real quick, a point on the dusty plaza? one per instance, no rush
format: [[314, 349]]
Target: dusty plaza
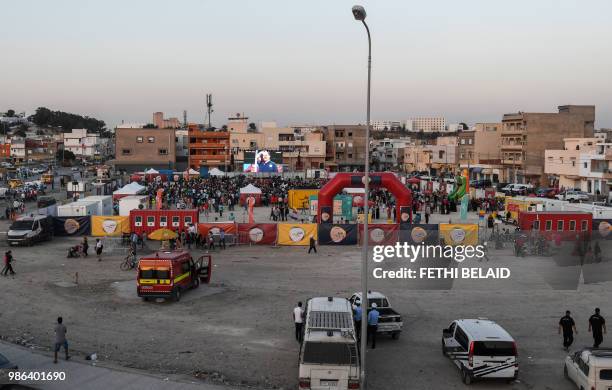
[[238, 330]]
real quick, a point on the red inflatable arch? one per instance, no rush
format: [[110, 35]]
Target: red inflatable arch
[[403, 196]]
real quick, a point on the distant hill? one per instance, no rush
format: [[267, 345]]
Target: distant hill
[[45, 117]]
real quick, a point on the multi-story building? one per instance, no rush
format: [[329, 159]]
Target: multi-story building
[[465, 148], [139, 149], [82, 144], [182, 149], [526, 136], [388, 154], [426, 124], [345, 147], [18, 149], [165, 123], [386, 125], [210, 149], [238, 122], [417, 158], [584, 163]]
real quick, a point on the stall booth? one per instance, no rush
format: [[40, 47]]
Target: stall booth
[[248, 191], [149, 220], [128, 190], [517, 204], [567, 223]]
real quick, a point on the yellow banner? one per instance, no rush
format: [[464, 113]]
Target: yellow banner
[[298, 199], [109, 226], [459, 234], [296, 234]]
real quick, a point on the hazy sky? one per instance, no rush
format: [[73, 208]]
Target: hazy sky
[[305, 62]]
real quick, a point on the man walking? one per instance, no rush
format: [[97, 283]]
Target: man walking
[[568, 326], [60, 338], [312, 246], [373, 316], [98, 248], [8, 266], [222, 238], [357, 317], [298, 319], [597, 324]]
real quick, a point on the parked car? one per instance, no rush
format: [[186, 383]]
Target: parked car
[[500, 186], [5, 366], [517, 189], [29, 230], [590, 369], [482, 183], [546, 192], [481, 349], [573, 196], [390, 321]]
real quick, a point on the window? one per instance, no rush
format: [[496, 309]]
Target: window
[[494, 348], [163, 220], [350, 155], [176, 220], [586, 165], [126, 152], [185, 266], [559, 226], [330, 353], [572, 225], [469, 141], [163, 152], [151, 140], [536, 225], [188, 219], [350, 134], [151, 220], [441, 154], [461, 338], [585, 225], [462, 141], [138, 220], [548, 225], [140, 139], [605, 375]]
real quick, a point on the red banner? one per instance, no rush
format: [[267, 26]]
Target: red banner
[[380, 233], [257, 233], [228, 227]]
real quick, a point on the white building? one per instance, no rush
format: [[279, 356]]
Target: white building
[[18, 148], [426, 124], [182, 142], [386, 125], [82, 143]]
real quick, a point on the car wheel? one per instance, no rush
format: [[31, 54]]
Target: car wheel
[[465, 377], [195, 283], [395, 335], [145, 299], [177, 295], [443, 348]]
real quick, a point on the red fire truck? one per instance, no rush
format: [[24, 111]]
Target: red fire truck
[[166, 274]]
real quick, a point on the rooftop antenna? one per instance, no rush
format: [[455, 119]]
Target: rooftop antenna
[[185, 118], [209, 109]]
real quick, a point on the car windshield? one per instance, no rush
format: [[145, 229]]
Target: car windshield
[[22, 225], [155, 274], [494, 348], [330, 353], [380, 302]]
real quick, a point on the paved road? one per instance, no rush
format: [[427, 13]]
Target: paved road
[[86, 376]]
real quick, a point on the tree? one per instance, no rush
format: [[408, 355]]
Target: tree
[[252, 128], [66, 154], [224, 128], [44, 117], [10, 113], [19, 133]]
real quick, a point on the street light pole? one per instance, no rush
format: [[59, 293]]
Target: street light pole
[[360, 14]]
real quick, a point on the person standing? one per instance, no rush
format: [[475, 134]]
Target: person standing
[[8, 266], [597, 324], [357, 317], [222, 238], [313, 244], [99, 247], [568, 326], [373, 316], [85, 246], [427, 212], [60, 339], [298, 319]]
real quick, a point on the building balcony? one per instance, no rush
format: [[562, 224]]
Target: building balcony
[[512, 146], [512, 162], [507, 130], [208, 145]]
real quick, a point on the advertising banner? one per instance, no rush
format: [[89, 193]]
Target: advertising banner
[[342, 206], [215, 227], [72, 226], [257, 233], [298, 199], [602, 229], [296, 234], [380, 234], [459, 234], [340, 234], [420, 233], [110, 226]]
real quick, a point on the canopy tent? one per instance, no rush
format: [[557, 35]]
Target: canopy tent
[[250, 189], [351, 191], [129, 189], [216, 172], [192, 171], [151, 171]]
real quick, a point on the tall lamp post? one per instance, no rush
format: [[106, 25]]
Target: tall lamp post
[[360, 14]]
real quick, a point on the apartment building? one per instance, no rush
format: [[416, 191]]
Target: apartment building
[[82, 144], [139, 149], [426, 124], [417, 158], [386, 125], [484, 162], [465, 148], [526, 136], [210, 149], [583, 163], [345, 147], [165, 123], [388, 154]]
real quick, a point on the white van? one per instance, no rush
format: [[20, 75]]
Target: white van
[[329, 358], [590, 369], [480, 349]]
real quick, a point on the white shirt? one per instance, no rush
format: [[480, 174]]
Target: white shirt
[[297, 315]]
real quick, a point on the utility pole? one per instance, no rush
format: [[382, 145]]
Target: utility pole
[[209, 109]]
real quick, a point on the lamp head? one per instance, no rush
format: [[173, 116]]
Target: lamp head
[[359, 12]]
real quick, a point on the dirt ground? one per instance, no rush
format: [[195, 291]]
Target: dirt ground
[[239, 328]]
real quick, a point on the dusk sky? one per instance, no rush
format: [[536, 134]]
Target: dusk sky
[[305, 62]]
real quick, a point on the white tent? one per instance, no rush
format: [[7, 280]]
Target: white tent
[[250, 189], [130, 189], [216, 172], [151, 172], [191, 172], [354, 190]]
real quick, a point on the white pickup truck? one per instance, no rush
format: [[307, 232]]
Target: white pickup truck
[[390, 321]]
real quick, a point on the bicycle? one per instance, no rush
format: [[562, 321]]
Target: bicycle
[[129, 262]]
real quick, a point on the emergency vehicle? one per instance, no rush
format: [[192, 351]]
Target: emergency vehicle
[[481, 349], [166, 274]]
